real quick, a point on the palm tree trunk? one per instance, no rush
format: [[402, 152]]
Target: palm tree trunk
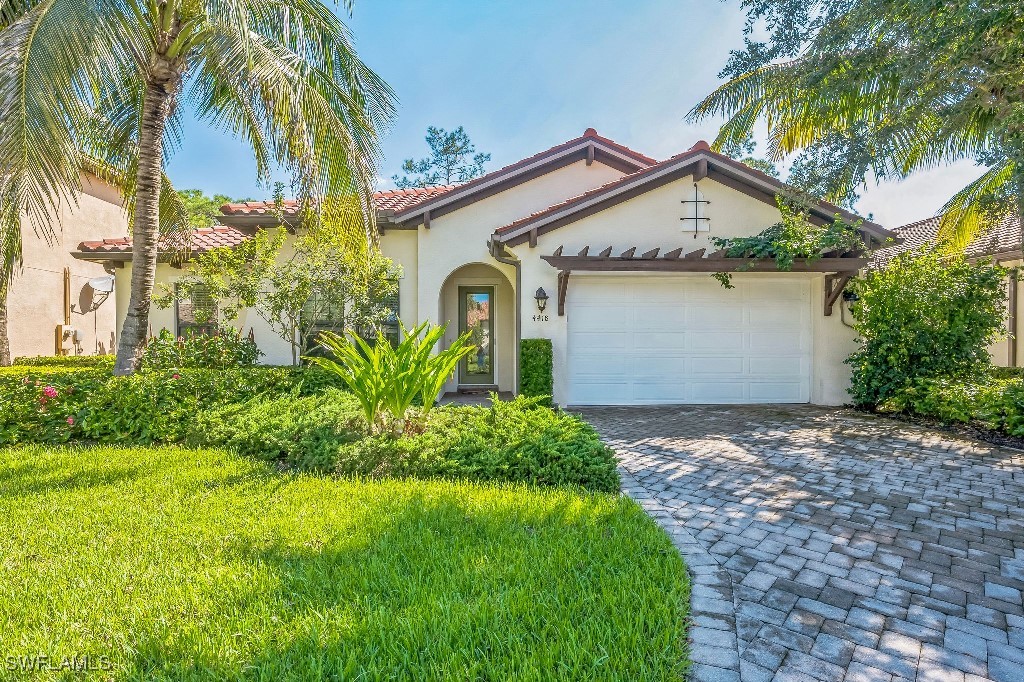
[[5, 342], [162, 85]]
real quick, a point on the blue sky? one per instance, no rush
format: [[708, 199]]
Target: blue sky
[[524, 75]]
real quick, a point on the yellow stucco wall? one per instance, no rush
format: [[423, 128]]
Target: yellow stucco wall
[[36, 298]]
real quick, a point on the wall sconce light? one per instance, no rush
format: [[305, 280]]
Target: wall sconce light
[[542, 299]]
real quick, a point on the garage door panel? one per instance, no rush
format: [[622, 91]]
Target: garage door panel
[[704, 365], [658, 367], [602, 317], [603, 393], [648, 340], [659, 392], [706, 315], [655, 341], [791, 341], [774, 366], [717, 391], [778, 391], [600, 364], [776, 315], [715, 340]]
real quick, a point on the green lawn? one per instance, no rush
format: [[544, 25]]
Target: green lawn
[[197, 564]]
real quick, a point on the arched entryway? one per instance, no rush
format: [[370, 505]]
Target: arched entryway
[[479, 299]]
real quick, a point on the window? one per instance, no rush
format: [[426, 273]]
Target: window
[[390, 328], [197, 315], [318, 316]]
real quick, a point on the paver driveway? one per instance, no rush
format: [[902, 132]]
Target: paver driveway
[[829, 545]]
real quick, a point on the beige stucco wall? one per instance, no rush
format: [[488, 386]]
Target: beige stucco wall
[[36, 298], [653, 220], [1000, 350], [276, 350], [461, 237]]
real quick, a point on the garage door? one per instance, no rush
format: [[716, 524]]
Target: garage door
[[648, 340]]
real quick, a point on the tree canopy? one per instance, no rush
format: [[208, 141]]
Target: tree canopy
[[453, 158], [201, 208], [881, 88]]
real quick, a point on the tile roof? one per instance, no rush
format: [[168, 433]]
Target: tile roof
[[701, 147], [1004, 236], [386, 201], [203, 239], [640, 160]]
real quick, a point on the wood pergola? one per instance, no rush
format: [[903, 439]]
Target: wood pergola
[[839, 268]]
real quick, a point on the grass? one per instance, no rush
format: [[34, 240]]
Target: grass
[[181, 564]]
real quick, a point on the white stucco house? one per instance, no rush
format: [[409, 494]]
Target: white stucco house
[[621, 245]]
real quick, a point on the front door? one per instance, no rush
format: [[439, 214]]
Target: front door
[[476, 316]]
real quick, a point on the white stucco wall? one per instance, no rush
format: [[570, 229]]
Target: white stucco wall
[[653, 220], [36, 298]]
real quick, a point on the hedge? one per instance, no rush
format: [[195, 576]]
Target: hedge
[[536, 376], [65, 361], [996, 404], [56, 405]]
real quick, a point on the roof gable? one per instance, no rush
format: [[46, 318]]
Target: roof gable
[[699, 162], [589, 147]]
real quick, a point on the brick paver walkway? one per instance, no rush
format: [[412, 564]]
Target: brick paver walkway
[[829, 545]]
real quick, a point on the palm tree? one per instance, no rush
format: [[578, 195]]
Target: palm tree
[[916, 83], [100, 84]]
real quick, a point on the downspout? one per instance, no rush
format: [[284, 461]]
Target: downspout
[[501, 254]]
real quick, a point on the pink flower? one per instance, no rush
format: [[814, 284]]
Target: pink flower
[[175, 376], [71, 421], [25, 380], [50, 392]]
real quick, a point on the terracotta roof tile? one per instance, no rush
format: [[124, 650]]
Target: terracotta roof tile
[[388, 200], [1004, 236], [202, 239]]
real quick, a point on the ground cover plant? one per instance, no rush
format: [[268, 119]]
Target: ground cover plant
[[180, 564]]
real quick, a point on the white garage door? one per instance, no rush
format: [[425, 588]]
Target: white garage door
[[646, 340]]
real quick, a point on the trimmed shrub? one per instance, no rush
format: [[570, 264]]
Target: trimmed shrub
[[302, 432], [145, 407], [925, 315], [223, 350], [509, 441], [536, 374], [1006, 372], [65, 361]]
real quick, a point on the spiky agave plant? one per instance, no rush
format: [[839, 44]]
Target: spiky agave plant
[[100, 84]]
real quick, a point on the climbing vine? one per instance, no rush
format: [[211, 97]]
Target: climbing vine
[[793, 237]]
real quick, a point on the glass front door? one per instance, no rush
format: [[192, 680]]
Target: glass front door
[[476, 316]]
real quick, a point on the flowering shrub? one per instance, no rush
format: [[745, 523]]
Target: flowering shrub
[[223, 350], [54, 405]]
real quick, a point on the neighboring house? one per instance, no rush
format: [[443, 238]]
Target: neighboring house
[[622, 246], [1001, 244], [51, 306]]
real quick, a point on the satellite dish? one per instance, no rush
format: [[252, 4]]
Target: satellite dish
[[103, 285]]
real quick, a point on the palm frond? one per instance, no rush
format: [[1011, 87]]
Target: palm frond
[[963, 216]]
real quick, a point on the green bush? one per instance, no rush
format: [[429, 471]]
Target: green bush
[[1006, 372], [55, 405], [223, 350], [509, 441], [924, 316], [536, 376], [303, 432], [65, 361]]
